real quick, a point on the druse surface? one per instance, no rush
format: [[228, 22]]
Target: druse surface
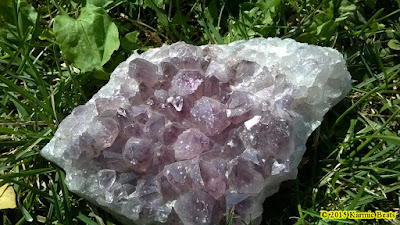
[[182, 134]]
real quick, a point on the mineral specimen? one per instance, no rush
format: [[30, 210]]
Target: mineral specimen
[[182, 134]]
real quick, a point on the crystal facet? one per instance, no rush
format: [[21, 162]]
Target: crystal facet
[[183, 134]]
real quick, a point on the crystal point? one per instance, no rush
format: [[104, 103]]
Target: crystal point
[[195, 208], [187, 82], [138, 154], [190, 144], [210, 115], [143, 71]]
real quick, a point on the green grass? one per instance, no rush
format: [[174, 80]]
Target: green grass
[[352, 160]]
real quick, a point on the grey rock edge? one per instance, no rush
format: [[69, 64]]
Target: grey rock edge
[[181, 134]]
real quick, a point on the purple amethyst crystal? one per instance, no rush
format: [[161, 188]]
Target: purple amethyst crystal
[[182, 134], [189, 144]]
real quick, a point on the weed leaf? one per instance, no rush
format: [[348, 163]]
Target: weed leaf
[[89, 40], [394, 44]]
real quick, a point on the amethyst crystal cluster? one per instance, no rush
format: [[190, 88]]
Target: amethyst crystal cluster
[[184, 134]]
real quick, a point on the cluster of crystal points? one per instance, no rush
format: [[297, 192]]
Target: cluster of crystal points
[[182, 134]]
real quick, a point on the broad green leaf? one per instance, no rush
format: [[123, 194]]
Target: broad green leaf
[[328, 8], [342, 17], [320, 19], [7, 197], [88, 41], [394, 44], [307, 37], [346, 7], [131, 41], [29, 12], [326, 30]]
